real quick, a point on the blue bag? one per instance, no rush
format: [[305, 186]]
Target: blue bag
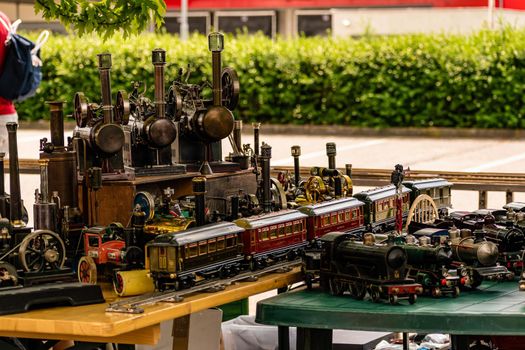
[[22, 72]]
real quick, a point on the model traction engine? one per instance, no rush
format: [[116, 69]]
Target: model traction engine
[[148, 130], [202, 123], [98, 137]]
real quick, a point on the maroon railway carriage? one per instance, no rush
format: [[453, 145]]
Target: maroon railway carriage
[[343, 214], [273, 237]]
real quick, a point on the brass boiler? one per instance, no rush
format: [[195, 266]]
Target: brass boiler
[[215, 123], [470, 250], [102, 135], [62, 166]]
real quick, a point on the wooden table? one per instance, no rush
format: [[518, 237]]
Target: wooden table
[[92, 324], [495, 309]]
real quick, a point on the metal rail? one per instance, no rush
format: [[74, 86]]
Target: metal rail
[[134, 305], [481, 182]]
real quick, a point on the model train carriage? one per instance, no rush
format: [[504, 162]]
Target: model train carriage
[[179, 260], [438, 189], [379, 270], [273, 237], [380, 207], [344, 214]]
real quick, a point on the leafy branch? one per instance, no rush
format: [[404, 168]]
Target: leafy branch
[[104, 17]]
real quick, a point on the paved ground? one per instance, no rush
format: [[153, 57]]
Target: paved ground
[[383, 152]]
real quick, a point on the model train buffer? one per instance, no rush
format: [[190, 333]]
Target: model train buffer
[[135, 305]]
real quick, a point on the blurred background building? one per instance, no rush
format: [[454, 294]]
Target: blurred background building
[[321, 17]]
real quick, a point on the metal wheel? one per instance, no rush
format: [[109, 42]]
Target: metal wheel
[[174, 103], [278, 193], [374, 294], [230, 88], [393, 299], [146, 201], [412, 298], [42, 250], [122, 108], [81, 109], [87, 270], [456, 292], [8, 275], [314, 188]]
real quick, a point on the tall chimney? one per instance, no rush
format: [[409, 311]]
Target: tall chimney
[[3, 196], [159, 61], [104, 67], [331, 153], [57, 123], [216, 45], [16, 204], [266, 155], [296, 153]]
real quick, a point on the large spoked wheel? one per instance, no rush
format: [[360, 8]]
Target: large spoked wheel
[[42, 250], [87, 270]]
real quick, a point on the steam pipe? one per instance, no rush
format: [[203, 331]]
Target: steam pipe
[[338, 187], [348, 168], [216, 45], [296, 153], [159, 61], [104, 67], [44, 182], [3, 196], [331, 153], [2, 175], [14, 177], [57, 123], [266, 155], [256, 127], [237, 129], [199, 189]]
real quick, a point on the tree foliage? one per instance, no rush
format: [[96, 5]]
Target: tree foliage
[[414, 80], [104, 17]]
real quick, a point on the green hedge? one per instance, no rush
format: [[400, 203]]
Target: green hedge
[[413, 80]]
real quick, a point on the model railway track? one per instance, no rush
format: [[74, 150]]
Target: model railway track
[[511, 182], [135, 305]]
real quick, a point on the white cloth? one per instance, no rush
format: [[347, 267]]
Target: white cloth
[[4, 119]]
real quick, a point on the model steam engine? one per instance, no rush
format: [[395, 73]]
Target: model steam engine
[[363, 268]]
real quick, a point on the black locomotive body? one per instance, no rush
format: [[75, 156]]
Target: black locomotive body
[[429, 266], [360, 268]]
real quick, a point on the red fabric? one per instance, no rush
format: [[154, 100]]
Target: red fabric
[[6, 106]]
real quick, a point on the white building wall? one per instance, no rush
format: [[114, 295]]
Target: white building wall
[[357, 22]]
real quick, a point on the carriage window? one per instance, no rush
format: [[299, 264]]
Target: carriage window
[[203, 248], [334, 218], [326, 220], [220, 243], [280, 231], [288, 230], [252, 236], [230, 241], [341, 217], [347, 215], [445, 192], [298, 227], [212, 245], [273, 233], [192, 250], [264, 235]]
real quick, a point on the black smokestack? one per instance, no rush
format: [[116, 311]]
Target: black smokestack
[[266, 155], [14, 177], [57, 123], [199, 189]]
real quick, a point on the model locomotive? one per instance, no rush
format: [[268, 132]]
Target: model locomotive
[[363, 268]]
